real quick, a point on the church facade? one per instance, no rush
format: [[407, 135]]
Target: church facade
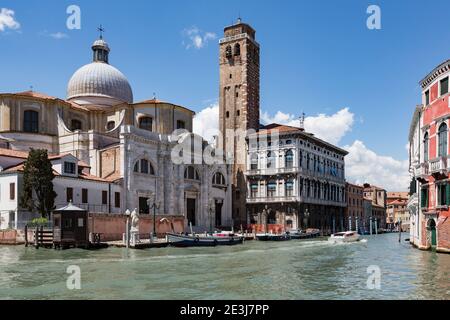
[[124, 142]]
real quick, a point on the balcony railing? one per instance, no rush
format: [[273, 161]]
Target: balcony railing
[[438, 165], [272, 171], [272, 199]]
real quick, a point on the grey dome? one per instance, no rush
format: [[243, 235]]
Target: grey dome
[[99, 79]]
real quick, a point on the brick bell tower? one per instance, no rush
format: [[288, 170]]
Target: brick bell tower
[[238, 104]]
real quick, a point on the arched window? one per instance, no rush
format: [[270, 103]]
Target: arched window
[[146, 123], [31, 121], [191, 173], [442, 140], [237, 49], [144, 166], [253, 189], [254, 161], [270, 159], [228, 52], [289, 159], [110, 125], [75, 125], [218, 179], [425, 147]]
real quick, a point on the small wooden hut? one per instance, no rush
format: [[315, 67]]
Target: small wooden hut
[[70, 227]]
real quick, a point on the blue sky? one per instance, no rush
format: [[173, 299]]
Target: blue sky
[[316, 56]]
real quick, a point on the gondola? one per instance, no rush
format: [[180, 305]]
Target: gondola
[[180, 240]]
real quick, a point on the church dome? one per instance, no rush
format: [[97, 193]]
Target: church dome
[[98, 82]]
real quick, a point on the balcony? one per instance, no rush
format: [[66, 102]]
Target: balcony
[[438, 165], [422, 171], [272, 171], [275, 199]]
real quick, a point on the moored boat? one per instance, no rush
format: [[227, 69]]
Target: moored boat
[[300, 234], [272, 237], [347, 236], [180, 240]]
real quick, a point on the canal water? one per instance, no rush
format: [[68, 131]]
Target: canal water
[[297, 269]]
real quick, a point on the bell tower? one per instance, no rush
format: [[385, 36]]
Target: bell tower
[[238, 104]]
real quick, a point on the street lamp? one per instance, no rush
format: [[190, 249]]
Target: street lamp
[[153, 204]]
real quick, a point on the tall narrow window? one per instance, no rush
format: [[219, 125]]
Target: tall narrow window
[[146, 123], [271, 189], [144, 166], [228, 52], [253, 190], [237, 49], [104, 197], [289, 159], [425, 147], [31, 121], [253, 161], [289, 188], [84, 196], [117, 199], [424, 197], [12, 191], [271, 159], [69, 194], [442, 136], [444, 86], [427, 97]]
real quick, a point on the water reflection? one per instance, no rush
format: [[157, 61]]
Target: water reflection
[[312, 269]]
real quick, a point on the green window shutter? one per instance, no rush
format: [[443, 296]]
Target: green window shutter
[[447, 191]]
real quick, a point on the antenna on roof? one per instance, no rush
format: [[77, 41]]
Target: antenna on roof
[[302, 121], [31, 88], [154, 96], [239, 20]]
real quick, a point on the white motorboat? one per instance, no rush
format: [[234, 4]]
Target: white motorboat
[[347, 236]]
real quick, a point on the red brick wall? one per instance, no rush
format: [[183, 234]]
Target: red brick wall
[[8, 237]]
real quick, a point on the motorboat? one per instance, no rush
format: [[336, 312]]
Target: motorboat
[[347, 236], [200, 240], [300, 234]]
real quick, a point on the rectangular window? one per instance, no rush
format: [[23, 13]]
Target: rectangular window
[[84, 196], [69, 167], [104, 197], [427, 97], [80, 222], [117, 199], [69, 194], [444, 86], [424, 198], [12, 191], [253, 190], [443, 194]]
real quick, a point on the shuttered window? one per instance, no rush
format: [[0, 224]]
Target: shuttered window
[[444, 86]]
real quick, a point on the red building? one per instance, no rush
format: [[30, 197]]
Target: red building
[[431, 158]]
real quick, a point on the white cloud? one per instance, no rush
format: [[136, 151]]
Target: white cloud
[[364, 165], [331, 128], [196, 38], [59, 35], [206, 122], [7, 20]]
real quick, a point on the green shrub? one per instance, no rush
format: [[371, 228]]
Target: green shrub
[[37, 222]]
